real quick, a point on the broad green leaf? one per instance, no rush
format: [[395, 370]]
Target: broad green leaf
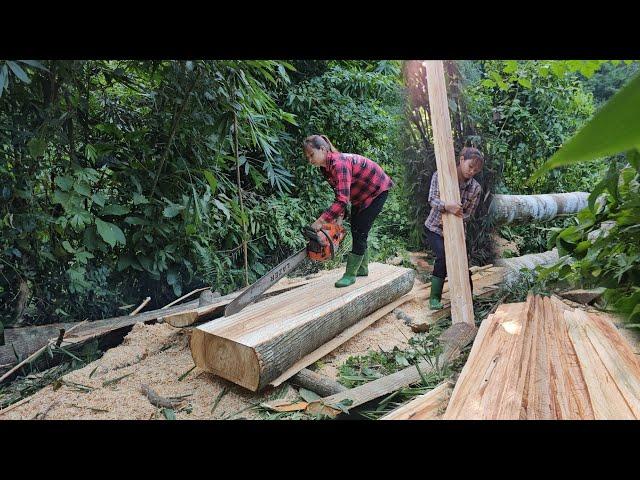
[[82, 188], [136, 221], [65, 183], [613, 129], [37, 147], [99, 199], [139, 199], [80, 219], [18, 71], [172, 210], [115, 209], [222, 208], [525, 82], [67, 246], [169, 414], [110, 233], [83, 257]]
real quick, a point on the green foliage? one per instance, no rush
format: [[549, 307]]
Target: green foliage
[[119, 177], [610, 256], [615, 128], [520, 126]]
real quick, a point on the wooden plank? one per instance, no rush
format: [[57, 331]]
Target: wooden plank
[[425, 407], [349, 333], [478, 389], [255, 346], [453, 228], [606, 400], [578, 401], [618, 359], [454, 339]]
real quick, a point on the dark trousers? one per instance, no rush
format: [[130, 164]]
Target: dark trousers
[[436, 243], [361, 221]]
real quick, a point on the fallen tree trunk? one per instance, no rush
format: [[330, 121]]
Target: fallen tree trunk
[[530, 261], [535, 208], [255, 346]]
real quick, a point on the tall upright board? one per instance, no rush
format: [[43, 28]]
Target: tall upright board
[[453, 228]]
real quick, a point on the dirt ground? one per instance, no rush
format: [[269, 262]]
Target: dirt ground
[[158, 356]]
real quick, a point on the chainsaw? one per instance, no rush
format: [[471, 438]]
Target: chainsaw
[[322, 246]]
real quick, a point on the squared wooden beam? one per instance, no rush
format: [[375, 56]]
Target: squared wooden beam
[[453, 228]]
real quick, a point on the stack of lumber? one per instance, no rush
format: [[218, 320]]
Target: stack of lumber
[[542, 359], [261, 344]]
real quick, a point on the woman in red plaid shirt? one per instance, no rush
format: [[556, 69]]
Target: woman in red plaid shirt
[[356, 180]]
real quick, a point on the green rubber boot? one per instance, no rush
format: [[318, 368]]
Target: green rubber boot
[[363, 271], [436, 293], [349, 277]]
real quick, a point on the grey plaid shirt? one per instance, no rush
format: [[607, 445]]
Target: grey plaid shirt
[[469, 197]]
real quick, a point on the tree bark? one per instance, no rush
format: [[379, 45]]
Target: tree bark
[[255, 346], [320, 384], [535, 208]]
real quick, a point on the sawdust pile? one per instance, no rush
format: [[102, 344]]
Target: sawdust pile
[[158, 356]]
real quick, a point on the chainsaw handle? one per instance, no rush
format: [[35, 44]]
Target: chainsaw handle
[[333, 253]]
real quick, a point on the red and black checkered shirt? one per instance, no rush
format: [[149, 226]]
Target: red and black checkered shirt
[[469, 198], [354, 178]]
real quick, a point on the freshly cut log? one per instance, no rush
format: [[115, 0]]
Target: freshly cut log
[[513, 265], [417, 292], [425, 407], [255, 346]]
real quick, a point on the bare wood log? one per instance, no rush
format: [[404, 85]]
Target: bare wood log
[[320, 384], [454, 339], [255, 346], [349, 333], [27, 340], [535, 208], [425, 407], [453, 228]]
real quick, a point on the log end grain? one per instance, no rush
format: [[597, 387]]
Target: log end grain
[[227, 359]]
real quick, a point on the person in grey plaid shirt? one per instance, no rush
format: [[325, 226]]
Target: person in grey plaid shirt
[[468, 165]]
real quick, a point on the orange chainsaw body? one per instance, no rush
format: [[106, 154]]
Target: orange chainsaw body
[[324, 244]]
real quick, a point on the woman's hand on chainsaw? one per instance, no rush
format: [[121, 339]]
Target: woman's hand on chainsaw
[[317, 225]]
